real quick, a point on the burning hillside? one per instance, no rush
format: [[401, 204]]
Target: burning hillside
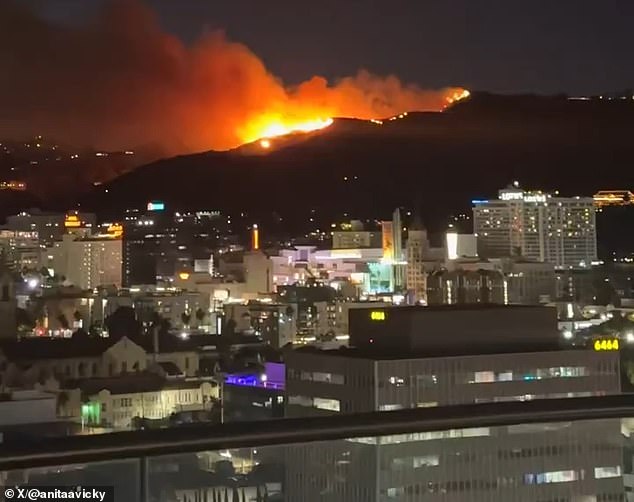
[[121, 81]]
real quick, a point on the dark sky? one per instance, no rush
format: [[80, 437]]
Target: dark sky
[[575, 46]]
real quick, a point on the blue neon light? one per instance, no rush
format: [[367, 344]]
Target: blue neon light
[[479, 201], [252, 381]]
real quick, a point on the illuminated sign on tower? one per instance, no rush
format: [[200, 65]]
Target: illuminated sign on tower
[[72, 221], [156, 205]]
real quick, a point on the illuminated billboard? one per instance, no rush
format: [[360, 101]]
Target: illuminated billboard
[[156, 205]]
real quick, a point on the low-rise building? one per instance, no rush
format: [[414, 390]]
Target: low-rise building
[[32, 359], [254, 395], [411, 357], [116, 402]]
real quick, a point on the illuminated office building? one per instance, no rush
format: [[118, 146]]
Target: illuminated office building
[[416, 251], [409, 357], [537, 226], [50, 227], [158, 244]]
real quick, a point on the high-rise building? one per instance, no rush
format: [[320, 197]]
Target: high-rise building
[[158, 244], [49, 226], [416, 249], [87, 262], [538, 226], [21, 249]]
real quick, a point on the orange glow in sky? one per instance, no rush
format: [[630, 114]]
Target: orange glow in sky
[[272, 124]]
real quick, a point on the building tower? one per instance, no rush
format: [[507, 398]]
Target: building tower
[[398, 267], [416, 249], [538, 226], [8, 304]]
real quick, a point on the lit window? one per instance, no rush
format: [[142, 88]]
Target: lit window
[[327, 404], [607, 472], [390, 407], [551, 477], [484, 377], [425, 461], [398, 381]]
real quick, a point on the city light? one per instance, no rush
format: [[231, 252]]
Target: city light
[[606, 345], [156, 206], [255, 238], [452, 245], [377, 315], [72, 221]]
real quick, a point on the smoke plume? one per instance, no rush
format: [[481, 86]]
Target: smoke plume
[[121, 81]]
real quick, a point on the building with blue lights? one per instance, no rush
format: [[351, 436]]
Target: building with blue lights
[[254, 395]]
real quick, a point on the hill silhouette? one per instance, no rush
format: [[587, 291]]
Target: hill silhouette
[[437, 161]]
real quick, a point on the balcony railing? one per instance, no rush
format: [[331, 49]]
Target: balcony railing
[[533, 450]]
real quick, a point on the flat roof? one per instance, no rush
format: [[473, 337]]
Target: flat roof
[[390, 354], [462, 307]]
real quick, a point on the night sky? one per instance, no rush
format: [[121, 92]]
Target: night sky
[[545, 46]]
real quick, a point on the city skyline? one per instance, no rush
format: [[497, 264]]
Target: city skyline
[[321, 252]]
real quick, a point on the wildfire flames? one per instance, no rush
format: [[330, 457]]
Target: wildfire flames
[[121, 82], [266, 127]]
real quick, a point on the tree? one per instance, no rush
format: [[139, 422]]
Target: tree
[[200, 315], [186, 317], [63, 321], [123, 322], [24, 319], [161, 324]]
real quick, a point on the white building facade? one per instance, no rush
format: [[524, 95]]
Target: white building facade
[[87, 262], [538, 226]]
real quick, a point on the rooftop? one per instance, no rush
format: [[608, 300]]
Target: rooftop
[[389, 354], [55, 348], [131, 383]]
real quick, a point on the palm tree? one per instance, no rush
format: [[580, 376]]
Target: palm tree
[[200, 315], [186, 317]]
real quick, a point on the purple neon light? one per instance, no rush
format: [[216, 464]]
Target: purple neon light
[[252, 381]]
